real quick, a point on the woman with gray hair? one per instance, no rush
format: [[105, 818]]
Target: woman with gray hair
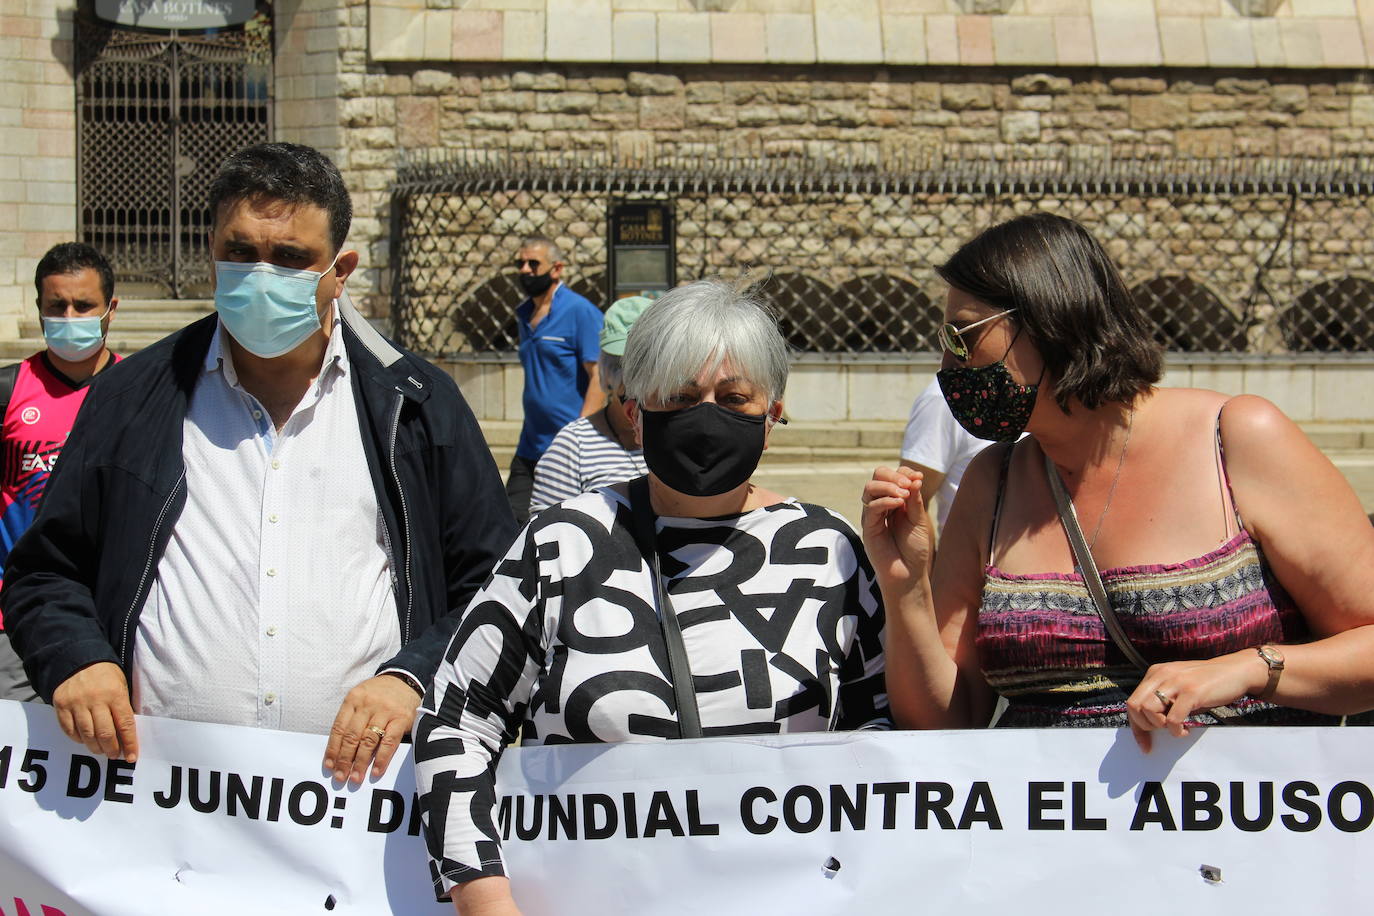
[[686, 603]]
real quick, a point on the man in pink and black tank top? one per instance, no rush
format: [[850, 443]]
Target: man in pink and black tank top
[[41, 395]]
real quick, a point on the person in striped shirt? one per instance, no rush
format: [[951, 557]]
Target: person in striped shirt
[[601, 449]]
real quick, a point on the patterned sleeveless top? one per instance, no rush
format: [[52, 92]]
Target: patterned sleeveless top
[[1043, 646]]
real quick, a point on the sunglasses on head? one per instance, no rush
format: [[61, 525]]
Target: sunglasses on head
[[951, 337]]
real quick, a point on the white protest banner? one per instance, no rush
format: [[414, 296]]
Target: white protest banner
[[227, 820]]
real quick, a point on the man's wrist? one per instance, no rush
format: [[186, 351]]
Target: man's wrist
[[409, 679]]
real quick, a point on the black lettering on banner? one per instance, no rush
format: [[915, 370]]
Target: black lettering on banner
[[1079, 809], [211, 801], [239, 796], [274, 798], [537, 818], [83, 778], [33, 769], [631, 822], [934, 798], [591, 804], [1152, 807], [755, 825], [295, 803], [6, 755], [695, 826], [980, 808], [1266, 807], [1335, 806], [661, 816], [559, 815], [416, 816], [854, 809], [393, 803], [1200, 808], [1038, 804], [1303, 804], [118, 773], [889, 791], [503, 816], [815, 809], [171, 796]]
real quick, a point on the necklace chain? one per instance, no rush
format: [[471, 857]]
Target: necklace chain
[[1116, 478]]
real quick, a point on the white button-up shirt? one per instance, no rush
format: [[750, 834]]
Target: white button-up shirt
[[275, 594]]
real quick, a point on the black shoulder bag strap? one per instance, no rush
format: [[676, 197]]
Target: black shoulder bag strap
[[1088, 567], [8, 376], [688, 716]]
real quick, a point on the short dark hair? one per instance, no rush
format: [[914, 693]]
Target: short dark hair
[[544, 242], [287, 172], [71, 257], [1070, 298]]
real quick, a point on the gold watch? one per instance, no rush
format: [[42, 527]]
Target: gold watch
[[1274, 659]]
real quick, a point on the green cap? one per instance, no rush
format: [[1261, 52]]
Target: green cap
[[619, 318]]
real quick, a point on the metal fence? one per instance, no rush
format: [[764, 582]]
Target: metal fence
[[157, 114], [1228, 256]]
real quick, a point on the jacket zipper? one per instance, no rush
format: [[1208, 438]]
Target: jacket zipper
[[405, 518], [147, 568]]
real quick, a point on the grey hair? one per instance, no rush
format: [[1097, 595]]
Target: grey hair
[[703, 325], [548, 244], [612, 370]]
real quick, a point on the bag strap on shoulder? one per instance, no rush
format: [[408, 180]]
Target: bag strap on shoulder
[[688, 715], [1088, 567]]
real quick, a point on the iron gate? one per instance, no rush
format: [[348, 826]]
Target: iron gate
[[158, 113], [1261, 257]]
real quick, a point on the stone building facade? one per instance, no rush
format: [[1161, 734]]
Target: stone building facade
[[636, 80]]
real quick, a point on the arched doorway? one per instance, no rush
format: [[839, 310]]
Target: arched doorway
[[157, 113]]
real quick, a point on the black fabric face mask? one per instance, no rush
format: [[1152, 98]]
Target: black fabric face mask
[[704, 450], [536, 284]]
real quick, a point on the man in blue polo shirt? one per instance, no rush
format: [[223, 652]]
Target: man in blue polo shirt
[[559, 346]]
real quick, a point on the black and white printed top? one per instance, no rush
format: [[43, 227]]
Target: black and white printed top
[[779, 611]]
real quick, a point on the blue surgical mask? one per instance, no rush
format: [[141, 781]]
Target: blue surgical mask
[[269, 310], [74, 339]]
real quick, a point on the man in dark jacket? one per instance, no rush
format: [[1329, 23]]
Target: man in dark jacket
[[271, 518]]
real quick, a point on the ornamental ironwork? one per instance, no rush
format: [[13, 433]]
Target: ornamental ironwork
[[1238, 256], [158, 113]]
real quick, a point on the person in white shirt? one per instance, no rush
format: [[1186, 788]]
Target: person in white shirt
[[272, 518]]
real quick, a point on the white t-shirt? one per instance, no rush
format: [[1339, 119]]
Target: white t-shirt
[[935, 439]]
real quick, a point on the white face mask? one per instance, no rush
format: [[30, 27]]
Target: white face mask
[[269, 310]]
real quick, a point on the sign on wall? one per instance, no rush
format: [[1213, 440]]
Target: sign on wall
[[176, 14], [641, 250]]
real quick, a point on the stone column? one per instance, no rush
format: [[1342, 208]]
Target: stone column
[[38, 157]]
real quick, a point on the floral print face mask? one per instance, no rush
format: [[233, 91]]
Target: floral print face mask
[[986, 401]]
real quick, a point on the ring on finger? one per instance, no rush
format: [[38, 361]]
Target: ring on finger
[[1163, 699], [379, 732]]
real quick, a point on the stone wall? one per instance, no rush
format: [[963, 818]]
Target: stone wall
[[38, 156], [873, 112]]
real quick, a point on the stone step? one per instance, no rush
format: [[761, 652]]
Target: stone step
[[141, 306]]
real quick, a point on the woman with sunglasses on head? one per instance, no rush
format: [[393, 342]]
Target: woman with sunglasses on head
[[767, 606], [1209, 519]]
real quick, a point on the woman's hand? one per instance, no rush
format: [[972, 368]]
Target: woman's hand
[[1170, 693], [897, 533]]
